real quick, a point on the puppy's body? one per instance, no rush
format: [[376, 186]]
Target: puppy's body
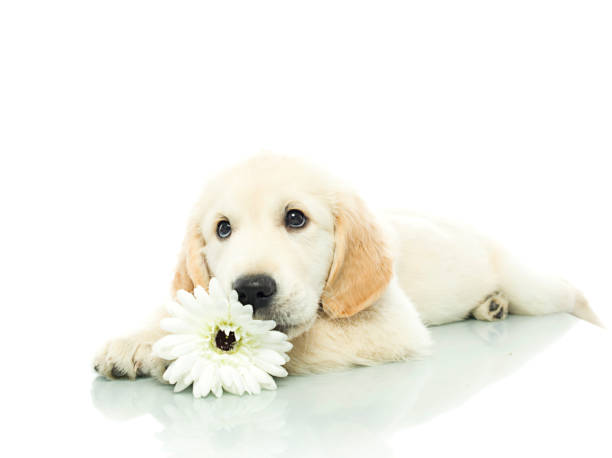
[[444, 268], [448, 269], [351, 287]]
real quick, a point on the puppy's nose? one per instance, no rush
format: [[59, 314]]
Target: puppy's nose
[[256, 290]]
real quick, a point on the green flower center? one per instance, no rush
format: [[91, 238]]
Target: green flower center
[[225, 341]]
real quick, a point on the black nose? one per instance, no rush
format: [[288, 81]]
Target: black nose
[[256, 290]]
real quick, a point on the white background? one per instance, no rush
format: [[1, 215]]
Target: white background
[[112, 115]]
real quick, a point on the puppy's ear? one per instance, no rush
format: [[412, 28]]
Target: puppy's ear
[[192, 269], [361, 267]]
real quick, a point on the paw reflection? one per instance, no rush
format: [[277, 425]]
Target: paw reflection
[[228, 426]]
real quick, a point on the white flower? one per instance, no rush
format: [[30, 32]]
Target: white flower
[[215, 344]]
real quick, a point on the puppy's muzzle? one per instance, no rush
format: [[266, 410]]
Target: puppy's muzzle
[[257, 290]]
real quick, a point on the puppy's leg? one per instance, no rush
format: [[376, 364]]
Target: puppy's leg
[[493, 308], [132, 356], [389, 330], [532, 293]]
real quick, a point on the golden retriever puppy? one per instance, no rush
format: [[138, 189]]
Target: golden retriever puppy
[[347, 286]]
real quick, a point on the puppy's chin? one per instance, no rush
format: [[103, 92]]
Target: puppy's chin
[[293, 315], [294, 330]]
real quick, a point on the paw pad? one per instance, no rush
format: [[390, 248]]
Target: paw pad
[[493, 308], [117, 372]]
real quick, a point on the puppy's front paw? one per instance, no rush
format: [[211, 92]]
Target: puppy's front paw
[[493, 308], [129, 358]]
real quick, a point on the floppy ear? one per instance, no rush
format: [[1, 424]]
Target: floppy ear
[[361, 267], [192, 269]]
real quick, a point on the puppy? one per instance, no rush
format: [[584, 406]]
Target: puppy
[[347, 286]]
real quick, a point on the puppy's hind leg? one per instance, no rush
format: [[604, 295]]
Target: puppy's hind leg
[[493, 308], [530, 292]]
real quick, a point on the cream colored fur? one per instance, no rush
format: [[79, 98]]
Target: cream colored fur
[[354, 288]]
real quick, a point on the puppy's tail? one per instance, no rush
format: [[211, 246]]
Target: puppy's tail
[[583, 310]]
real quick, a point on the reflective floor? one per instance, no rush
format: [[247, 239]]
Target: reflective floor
[[528, 382]]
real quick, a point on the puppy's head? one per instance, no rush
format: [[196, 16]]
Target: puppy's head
[[289, 240]]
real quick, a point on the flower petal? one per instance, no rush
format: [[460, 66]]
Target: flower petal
[[269, 356], [273, 369], [176, 309], [276, 371], [274, 336], [242, 312], [231, 380], [280, 347], [180, 386], [201, 295], [259, 326], [216, 293], [182, 349], [179, 368], [251, 384], [164, 347], [224, 373], [196, 370], [189, 302], [177, 325], [216, 387], [262, 378], [203, 382]]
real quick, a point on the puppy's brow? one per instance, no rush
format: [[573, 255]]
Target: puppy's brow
[[295, 205], [220, 217]]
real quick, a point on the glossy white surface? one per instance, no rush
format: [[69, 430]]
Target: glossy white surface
[[524, 386]]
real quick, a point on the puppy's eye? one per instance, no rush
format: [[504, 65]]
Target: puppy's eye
[[224, 229], [295, 219]]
